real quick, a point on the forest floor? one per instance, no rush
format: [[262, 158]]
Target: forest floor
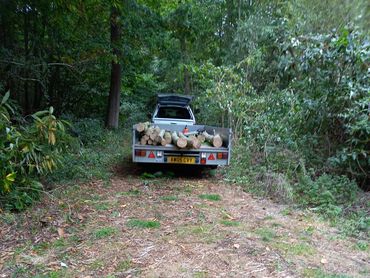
[[134, 225]]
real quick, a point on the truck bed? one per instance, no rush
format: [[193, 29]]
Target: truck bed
[[172, 151]]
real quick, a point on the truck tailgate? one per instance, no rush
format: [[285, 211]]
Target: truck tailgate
[[205, 155]]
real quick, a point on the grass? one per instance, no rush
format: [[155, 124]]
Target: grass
[[319, 273], [124, 265], [41, 248], [105, 232], [7, 217], [230, 223], [200, 274], [203, 232], [57, 274], [266, 234], [102, 206], [362, 245], [295, 249], [210, 197], [131, 192], [142, 224], [169, 198], [59, 243], [97, 264]]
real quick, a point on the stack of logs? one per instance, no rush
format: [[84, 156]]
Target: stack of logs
[[153, 135]]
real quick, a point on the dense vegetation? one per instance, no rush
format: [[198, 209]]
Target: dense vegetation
[[291, 78]]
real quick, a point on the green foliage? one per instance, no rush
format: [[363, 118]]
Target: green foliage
[[291, 78], [327, 194], [266, 234], [100, 150], [28, 152], [171, 198], [230, 223], [105, 232], [318, 273], [210, 197], [362, 245], [143, 224]]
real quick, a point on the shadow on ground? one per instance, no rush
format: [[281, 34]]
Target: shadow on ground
[[129, 168]]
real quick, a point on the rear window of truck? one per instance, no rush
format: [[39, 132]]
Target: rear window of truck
[[173, 113]]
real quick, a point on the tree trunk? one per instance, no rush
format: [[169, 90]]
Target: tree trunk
[[115, 82], [184, 55], [27, 104]]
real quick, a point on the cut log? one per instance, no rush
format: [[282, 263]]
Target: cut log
[[157, 129], [150, 142], [214, 140], [168, 137], [192, 141], [179, 141], [143, 141], [196, 144], [154, 133], [149, 130], [201, 138], [142, 127], [160, 138]]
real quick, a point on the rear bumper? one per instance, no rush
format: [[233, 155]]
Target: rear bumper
[[165, 155]]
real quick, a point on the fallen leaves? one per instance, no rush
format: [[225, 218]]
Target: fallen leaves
[[236, 246], [61, 232]]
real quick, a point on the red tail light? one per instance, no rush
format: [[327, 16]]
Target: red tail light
[[140, 153], [222, 155], [203, 161]]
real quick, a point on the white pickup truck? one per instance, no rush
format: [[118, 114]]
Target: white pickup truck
[[173, 113]]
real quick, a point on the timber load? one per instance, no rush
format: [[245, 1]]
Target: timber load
[[150, 134]]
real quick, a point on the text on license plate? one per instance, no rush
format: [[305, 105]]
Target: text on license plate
[[181, 159]]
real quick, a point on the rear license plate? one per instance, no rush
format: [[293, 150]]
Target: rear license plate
[[181, 159]]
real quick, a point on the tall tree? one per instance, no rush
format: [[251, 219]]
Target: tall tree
[[115, 81], [182, 27]]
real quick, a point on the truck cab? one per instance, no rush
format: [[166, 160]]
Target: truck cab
[[174, 110]]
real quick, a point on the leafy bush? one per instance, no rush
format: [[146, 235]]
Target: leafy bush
[[327, 194], [89, 130], [100, 149], [27, 152]]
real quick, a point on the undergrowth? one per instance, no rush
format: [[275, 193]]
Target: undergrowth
[[284, 178], [100, 150]]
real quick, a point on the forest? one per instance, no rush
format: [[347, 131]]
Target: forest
[[290, 77]]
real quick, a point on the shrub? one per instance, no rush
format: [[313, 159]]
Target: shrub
[[101, 148], [327, 194], [27, 152]]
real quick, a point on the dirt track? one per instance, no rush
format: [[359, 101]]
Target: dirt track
[[88, 231]]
